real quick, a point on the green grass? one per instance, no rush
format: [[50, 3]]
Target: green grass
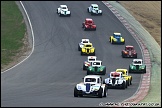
[[12, 31]]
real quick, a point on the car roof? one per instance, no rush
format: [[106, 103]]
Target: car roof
[[63, 5], [91, 57], [92, 76], [114, 72], [97, 61], [137, 59], [88, 43], [94, 5], [85, 39], [129, 46], [121, 69], [117, 33], [89, 19]]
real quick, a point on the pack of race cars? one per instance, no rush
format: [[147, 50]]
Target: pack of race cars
[[93, 84]]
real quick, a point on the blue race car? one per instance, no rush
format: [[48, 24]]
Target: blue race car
[[117, 38]]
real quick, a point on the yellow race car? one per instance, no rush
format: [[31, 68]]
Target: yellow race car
[[116, 38], [125, 75], [88, 49]]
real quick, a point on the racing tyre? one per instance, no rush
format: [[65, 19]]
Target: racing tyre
[[104, 71], [84, 28], [126, 85], [130, 70], [104, 82], [79, 48], [84, 68], [124, 42], [105, 91], [100, 92], [123, 56], [128, 82], [112, 42], [95, 29], [88, 72], [57, 11], [75, 92], [81, 53], [144, 71], [135, 56], [131, 81], [109, 39], [88, 10], [123, 85], [93, 53]]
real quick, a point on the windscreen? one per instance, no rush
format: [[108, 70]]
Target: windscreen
[[90, 80]]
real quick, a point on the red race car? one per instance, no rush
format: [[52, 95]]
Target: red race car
[[88, 24], [129, 52]]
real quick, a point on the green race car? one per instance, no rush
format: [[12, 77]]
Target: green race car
[[96, 68], [137, 66]]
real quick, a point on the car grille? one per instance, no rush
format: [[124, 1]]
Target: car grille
[[113, 80], [96, 68], [88, 87], [88, 50], [137, 67]]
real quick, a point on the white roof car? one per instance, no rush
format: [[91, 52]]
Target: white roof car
[[91, 85], [63, 10], [137, 61], [81, 44], [117, 33], [94, 9], [88, 62], [97, 63], [64, 6]]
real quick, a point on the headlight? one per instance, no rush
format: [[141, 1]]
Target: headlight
[[115, 39], [142, 67], [79, 87]]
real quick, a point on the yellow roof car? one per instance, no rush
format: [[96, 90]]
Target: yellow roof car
[[88, 49], [125, 75]]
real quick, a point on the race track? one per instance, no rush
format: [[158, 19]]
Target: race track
[[48, 77]]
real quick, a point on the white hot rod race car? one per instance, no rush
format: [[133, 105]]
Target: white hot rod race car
[[81, 44], [63, 10], [115, 80], [91, 86], [88, 62], [94, 9]]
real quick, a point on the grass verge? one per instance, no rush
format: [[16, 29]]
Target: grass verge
[[12, 31]]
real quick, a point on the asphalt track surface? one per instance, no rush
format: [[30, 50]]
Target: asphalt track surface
[[48, 77]]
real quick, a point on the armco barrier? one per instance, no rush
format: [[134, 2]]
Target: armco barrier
[[145, 83]]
